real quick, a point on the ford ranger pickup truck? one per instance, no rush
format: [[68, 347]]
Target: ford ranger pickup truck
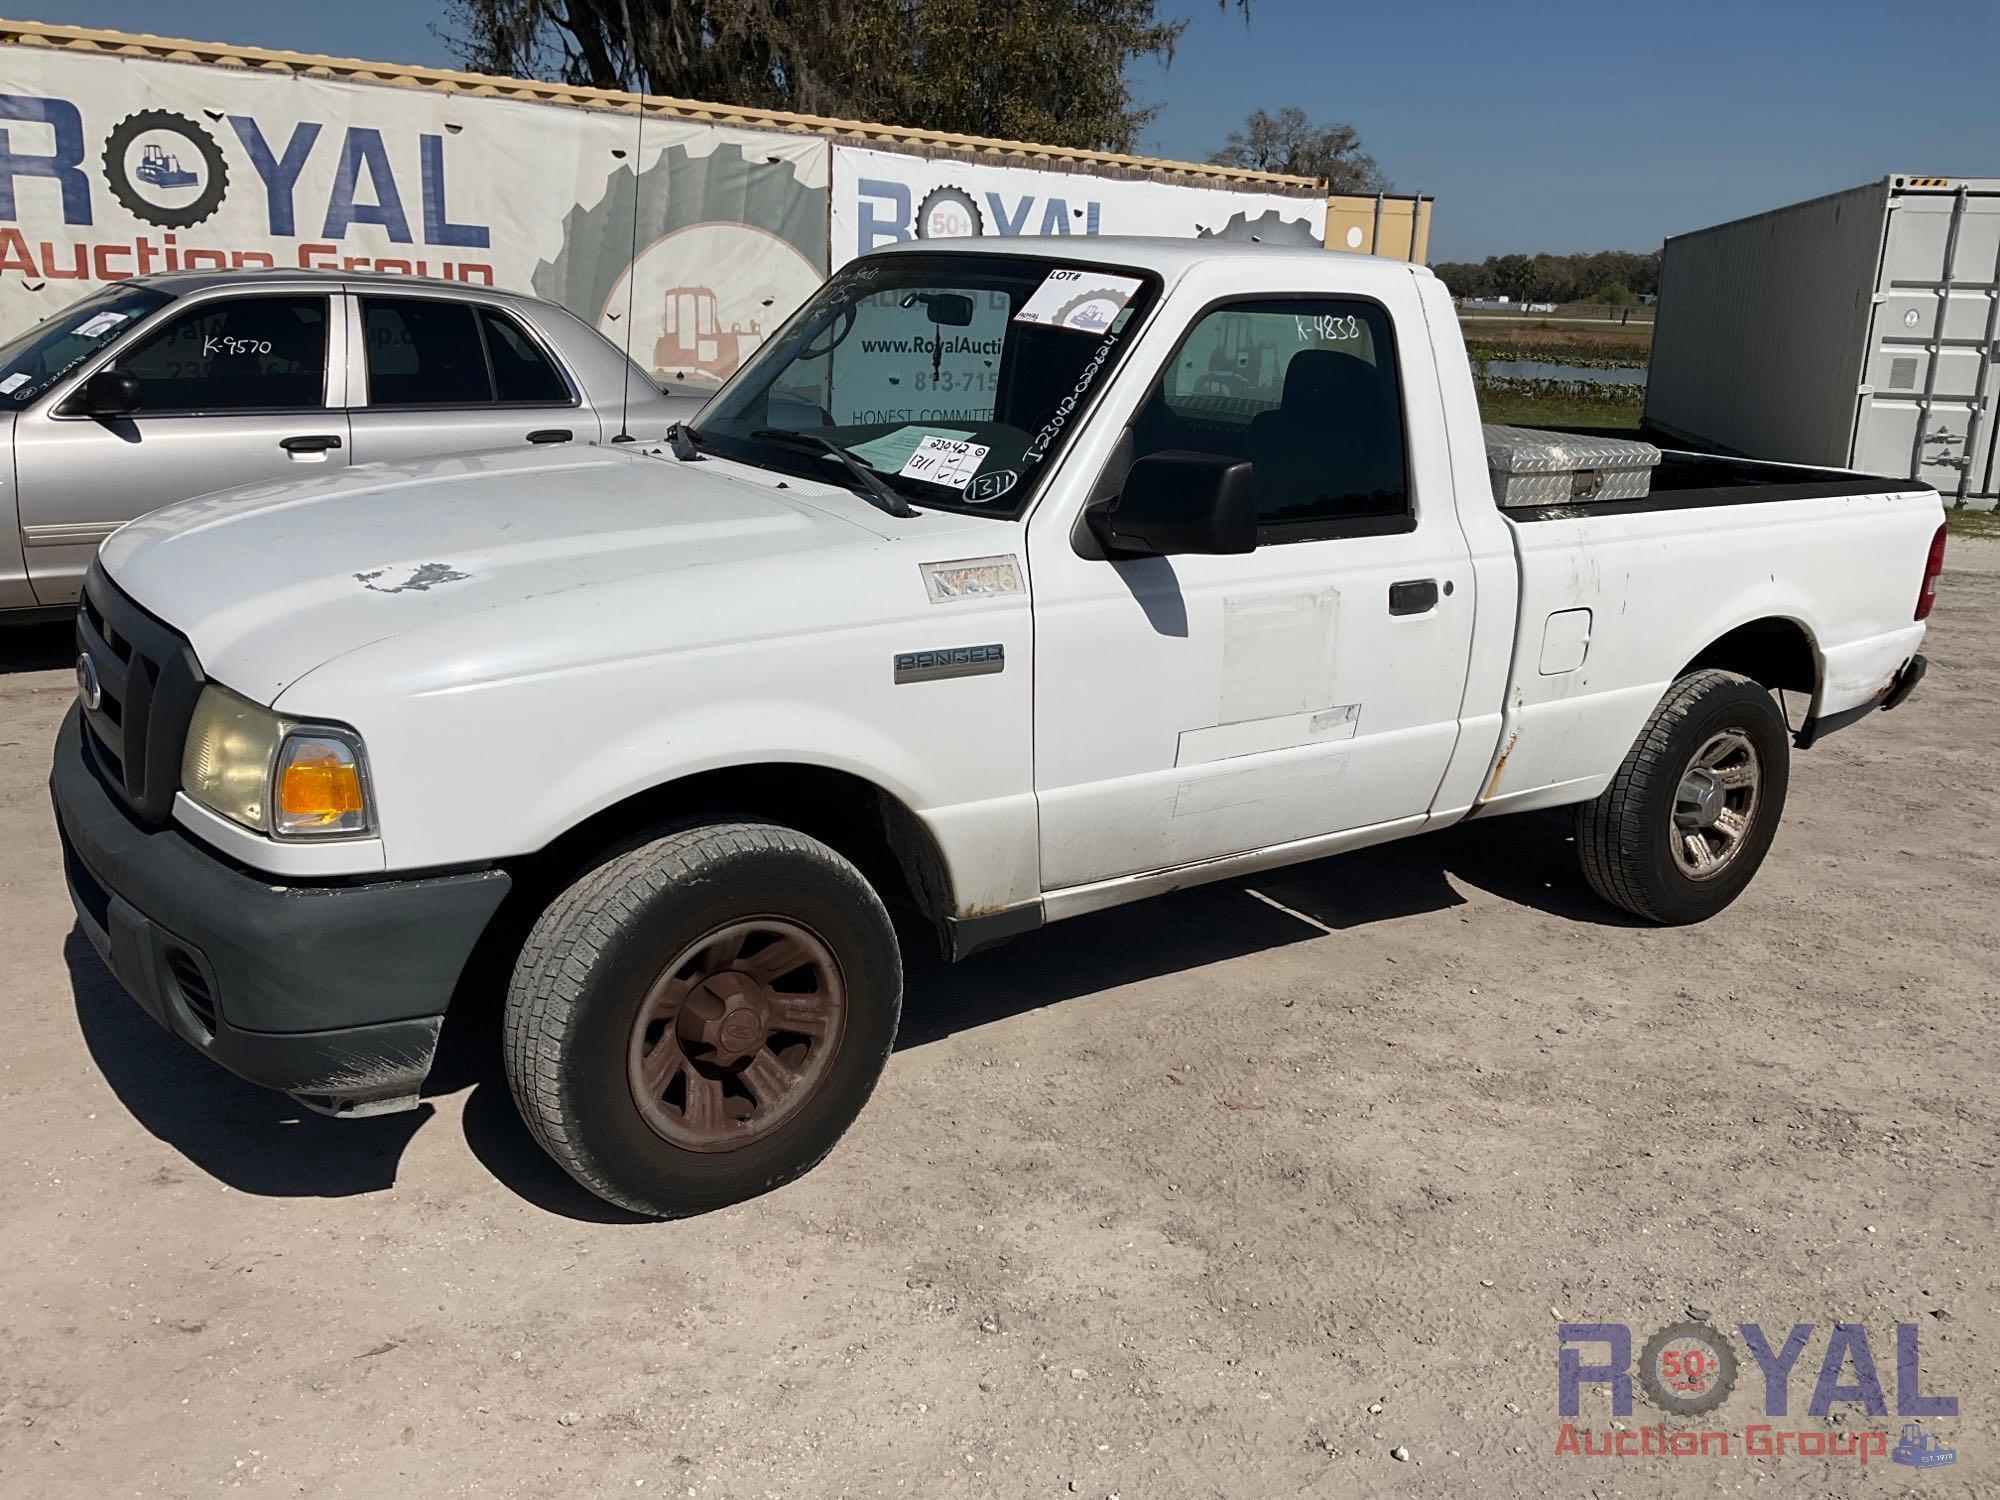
[[1009, 581]]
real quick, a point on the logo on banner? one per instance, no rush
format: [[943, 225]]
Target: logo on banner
[[729, 245], [173, 173], [949, 213], [165, 169]]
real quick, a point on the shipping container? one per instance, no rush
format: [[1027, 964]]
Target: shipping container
[[1394, 225], [1859, 330]]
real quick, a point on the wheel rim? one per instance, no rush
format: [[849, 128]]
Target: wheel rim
[[736, 1033], [1715, 804]]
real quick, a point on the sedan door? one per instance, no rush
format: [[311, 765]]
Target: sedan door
[[442, 375], [233, 389]]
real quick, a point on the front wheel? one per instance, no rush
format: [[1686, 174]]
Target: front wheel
[[697, 1021], [1692, 811]]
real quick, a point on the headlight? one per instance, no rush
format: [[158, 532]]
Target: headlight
[[271, 774]]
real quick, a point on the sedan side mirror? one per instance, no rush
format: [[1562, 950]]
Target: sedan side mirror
[[1181, 502], [109, 393]]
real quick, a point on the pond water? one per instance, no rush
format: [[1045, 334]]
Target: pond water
[[1535, 369]]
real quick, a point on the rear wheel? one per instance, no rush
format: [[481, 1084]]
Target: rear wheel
[[1692, 811], [697, 1020]]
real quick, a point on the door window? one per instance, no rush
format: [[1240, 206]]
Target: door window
[[436, 353], [1306, 390], [234, 354], [423, 353], [521, 371]]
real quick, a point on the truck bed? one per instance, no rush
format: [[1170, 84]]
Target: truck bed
[[1686, 481]]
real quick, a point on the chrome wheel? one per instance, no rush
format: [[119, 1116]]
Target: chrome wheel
[[736, 1033], [1715, 804]]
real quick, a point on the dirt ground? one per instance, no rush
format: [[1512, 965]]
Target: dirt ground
[[1167, 1201]]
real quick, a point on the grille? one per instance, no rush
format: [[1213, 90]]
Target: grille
[[148, 680], [193, 986]]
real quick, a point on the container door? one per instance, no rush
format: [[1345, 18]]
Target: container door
[[1931, 377]]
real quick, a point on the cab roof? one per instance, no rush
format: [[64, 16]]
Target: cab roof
[[1170, 256]]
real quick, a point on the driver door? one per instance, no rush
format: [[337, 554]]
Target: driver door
[[233, 390], [1192, 707]]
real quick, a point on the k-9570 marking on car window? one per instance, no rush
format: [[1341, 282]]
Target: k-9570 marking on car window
[[950, 661]]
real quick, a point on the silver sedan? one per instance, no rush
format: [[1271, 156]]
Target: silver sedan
[[165, 387]]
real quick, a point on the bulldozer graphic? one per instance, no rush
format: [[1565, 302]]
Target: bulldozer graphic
[[732, 243], [692, 336], [1922, 1450], [163, 169]]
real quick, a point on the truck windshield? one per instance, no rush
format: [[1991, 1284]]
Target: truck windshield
[[954, 378], [44, 354]]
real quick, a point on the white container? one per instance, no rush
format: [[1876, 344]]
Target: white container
[[1859, 330], [1530, 467]]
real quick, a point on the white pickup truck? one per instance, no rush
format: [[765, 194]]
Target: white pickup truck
[[1009, 581]]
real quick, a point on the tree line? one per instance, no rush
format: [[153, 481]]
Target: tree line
[[1053, 71], [1050, 71], [1612, 276]]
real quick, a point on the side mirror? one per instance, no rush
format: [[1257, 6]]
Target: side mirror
[[1180, 502], [109, 393]]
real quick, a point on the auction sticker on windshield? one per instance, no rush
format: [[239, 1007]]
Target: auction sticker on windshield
[[894, 449], [945, 461], [1081, 299], [104, 322]]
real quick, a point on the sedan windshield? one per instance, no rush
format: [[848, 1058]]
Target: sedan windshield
[[955, 379], [36, 360]]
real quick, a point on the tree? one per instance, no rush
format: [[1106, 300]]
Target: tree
[[1289, 142], [1615, 276], [1468, 278], [1051, 71]]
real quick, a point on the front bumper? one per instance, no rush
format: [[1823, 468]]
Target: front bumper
[[333, 993]]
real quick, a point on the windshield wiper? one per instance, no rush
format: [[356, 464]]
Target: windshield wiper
[[686, 446], [879, 493]]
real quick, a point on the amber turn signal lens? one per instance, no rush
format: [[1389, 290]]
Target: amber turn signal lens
[[319, 787]]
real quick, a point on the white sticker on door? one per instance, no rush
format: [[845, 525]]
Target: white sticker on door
[[1085, 300], [945, 461]]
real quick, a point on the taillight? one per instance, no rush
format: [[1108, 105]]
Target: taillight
[[1933, 565]]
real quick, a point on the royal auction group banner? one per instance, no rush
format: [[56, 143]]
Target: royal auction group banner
[[113, 167]]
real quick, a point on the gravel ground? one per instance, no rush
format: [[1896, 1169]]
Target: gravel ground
[[1242, 1192]]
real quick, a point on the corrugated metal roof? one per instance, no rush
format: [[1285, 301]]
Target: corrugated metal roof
[[483, 85]]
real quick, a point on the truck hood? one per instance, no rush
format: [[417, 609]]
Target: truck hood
[[270, 581]]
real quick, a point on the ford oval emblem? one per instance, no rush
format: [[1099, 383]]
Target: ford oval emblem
[[88, 688]]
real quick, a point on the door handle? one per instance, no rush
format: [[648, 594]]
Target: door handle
[[551, 435], [315, 443], [1413, 596]]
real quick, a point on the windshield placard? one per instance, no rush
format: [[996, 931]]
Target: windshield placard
[[1085, 300], [945, 461], [893, 449]]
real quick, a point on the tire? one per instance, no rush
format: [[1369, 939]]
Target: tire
[[597, 961], [1634, 851]]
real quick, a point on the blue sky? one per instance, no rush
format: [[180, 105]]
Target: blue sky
[[1560, 126]]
